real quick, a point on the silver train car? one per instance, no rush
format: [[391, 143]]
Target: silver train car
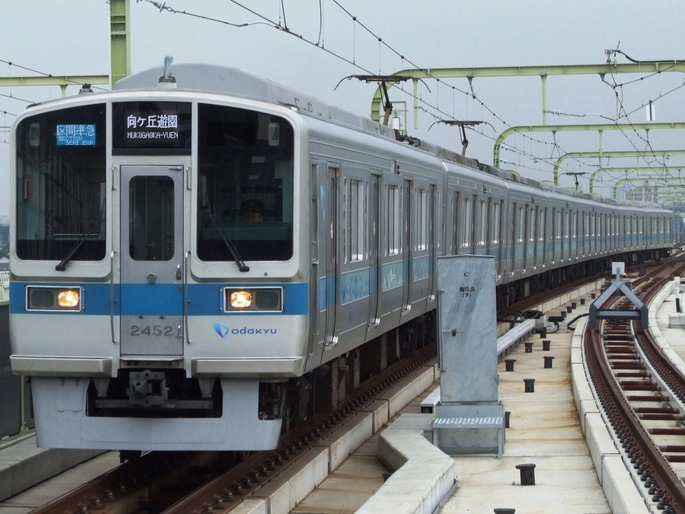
[[201, 260]]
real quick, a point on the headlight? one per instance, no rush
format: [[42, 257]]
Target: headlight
[[43, 298], [253, 299]]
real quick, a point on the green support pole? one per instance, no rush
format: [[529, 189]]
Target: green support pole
[[120, 48], [543, 79]]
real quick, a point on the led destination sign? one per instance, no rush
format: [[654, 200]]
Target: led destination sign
[[80, 134], [149, 126], [154, 126]]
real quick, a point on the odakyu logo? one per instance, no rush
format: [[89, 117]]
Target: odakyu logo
[[223, 331]]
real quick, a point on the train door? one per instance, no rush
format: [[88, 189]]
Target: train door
[[407, 253], [331, 287], [152, 266], [317, 324], [432, 240], [376, 284]]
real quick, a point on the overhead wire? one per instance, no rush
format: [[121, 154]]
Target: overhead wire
[[381, 43], [282, 24]]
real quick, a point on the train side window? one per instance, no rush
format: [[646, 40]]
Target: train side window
[[542, 236], [356, 228], [496, 222], [530, 236], [520, 224], [482, 223], [456, 218], [393, 219], [465, 225], [574, 230], [422, 219]]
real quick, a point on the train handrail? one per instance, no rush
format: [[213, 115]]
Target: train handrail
[[111, 297], [4, 286], [185, 296]]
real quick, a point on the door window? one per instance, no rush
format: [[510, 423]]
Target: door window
[[151, 218]]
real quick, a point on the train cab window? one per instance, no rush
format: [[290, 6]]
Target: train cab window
[[245, 158], [61, 173]]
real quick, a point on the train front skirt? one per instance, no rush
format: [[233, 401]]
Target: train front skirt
[[61, 422]]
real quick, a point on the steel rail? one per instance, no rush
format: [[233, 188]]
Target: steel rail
[[636, 441], [650, 462], [226, 491]]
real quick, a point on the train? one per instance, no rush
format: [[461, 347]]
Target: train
[[202, 259]]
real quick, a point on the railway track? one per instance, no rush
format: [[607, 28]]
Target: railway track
[[642, 395]]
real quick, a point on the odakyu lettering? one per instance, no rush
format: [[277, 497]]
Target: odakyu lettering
[[224, 331]]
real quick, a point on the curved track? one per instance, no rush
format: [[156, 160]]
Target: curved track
[[640, 390]]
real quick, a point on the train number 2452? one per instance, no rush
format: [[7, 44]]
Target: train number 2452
[[151, 330]]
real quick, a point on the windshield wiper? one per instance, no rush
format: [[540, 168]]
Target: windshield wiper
[[79, 242], [229, 244], [72, 251]]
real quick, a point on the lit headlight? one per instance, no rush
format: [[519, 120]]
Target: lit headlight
[[253, 299], [240, 299], [41, 298]]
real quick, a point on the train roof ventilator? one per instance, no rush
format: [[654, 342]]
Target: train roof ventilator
[[469, 417]]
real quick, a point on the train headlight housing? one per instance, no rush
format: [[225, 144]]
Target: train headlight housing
[[252, 299], [48, 298]]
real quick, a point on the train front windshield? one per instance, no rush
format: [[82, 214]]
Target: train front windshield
[[245, 185], [61, 194], [244, 194]]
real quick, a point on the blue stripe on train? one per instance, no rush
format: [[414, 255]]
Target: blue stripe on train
[[157, 299]]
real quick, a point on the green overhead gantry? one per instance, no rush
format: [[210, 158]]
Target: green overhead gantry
[[543, 72], [120, 53], [640, 169], [50, 80], [673, 188], [602, 154], [600, 127]]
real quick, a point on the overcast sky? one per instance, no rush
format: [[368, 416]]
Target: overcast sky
[[324, 45]]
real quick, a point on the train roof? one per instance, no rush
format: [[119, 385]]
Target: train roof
[[210, 78]]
